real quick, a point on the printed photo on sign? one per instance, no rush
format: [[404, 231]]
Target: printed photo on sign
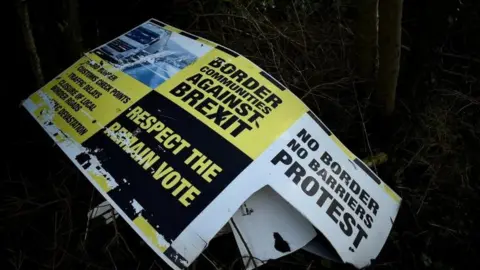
[[152, 54]]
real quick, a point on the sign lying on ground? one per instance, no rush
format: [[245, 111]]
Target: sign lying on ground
[[177, 133]]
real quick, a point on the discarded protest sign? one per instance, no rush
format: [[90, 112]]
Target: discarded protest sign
[[330, 187], [177, 133]]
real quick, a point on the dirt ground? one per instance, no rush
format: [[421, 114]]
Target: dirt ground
[[432, 140]]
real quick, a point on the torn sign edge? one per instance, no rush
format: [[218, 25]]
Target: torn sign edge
[[71, 148], [195, 237], [377, 189], [267, 227]]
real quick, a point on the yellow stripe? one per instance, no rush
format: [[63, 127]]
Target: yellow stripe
[[171, 28], [207, 42], [149, 232], [341, 146], [35, 98], [392, 194], [100, 180], [59, 138], [40, 111]]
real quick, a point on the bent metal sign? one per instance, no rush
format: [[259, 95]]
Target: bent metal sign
[[180, 134]]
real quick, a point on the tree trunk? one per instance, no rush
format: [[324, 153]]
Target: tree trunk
[[24, 17], [366, 39], [389, 40], [73, 30]]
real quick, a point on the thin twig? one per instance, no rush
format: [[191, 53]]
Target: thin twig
[[23, 14], [89, 217], [244, 243]]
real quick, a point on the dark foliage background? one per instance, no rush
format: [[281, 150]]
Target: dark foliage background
[[432, 140]]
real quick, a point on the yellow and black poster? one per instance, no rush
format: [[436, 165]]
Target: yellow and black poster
[[177, 132]]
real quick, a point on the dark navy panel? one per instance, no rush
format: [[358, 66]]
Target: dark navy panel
[[163, 211]]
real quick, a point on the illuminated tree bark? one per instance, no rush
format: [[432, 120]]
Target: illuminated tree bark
[[366, 39], [73, 30], [35, 64], [389, 41]]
